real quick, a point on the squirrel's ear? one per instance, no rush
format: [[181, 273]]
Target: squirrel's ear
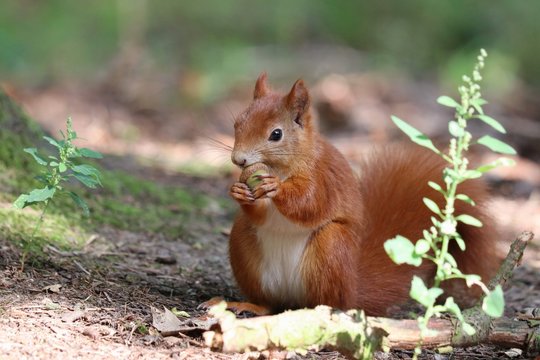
[[298, 100], [261, 88]]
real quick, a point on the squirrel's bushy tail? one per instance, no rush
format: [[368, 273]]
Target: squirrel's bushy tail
[[393, 183]]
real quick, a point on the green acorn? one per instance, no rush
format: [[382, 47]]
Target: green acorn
[[250, 175], [253, 180]]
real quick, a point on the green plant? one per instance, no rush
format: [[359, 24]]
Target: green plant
[[435, 242], [56, 171]]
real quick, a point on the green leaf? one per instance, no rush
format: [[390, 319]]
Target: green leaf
[[422, 294], [86, 180], [478, 109], [450, 174], [496, 145], [493, 303], [477, 105], [418, 290], [472, 174], [89, 172], [460, 242], [469, 220], [454, 129], [450, 259], [479, 102], [432, 206], [52, 141], [20, 203], [401, 251], [436, 187], [90, 153], [453, 308], [472, 279], [33, 152], [38, 195], [447, 101], [499, 162], [80, 202], [421, 247], [466, 199], [492, 122], [86, 170], [434, 293], [62, 167], [415, 135], [468, 329]]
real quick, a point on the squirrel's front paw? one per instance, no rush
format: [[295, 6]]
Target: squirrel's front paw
[[267, 188], [241, 193]]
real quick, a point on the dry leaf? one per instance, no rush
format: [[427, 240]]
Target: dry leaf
[[165, 322], [512, 353]]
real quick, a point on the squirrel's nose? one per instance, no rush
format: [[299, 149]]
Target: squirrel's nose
[[239, 159]]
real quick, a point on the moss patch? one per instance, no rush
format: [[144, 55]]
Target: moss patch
[[56, 229], [18, 132], [125, 201]]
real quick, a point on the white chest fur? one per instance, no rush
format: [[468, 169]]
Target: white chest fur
[[282, 243]]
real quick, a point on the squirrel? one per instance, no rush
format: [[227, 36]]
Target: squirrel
[[311, 232]]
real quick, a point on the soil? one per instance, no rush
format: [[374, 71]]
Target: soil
[[96, 303]]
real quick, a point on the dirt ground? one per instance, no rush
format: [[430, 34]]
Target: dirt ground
[[96, 303]]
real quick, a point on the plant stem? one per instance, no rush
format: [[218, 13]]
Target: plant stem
[[36, 228], [40, 220], [459, 168]]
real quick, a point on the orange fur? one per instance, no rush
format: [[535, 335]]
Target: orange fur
[[333, 222]]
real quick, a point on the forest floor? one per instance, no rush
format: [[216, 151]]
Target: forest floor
[[95, 300]]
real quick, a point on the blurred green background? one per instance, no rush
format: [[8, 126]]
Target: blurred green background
[[206, 47]]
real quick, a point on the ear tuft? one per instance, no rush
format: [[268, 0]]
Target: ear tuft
[[261, 88], [298, 100]]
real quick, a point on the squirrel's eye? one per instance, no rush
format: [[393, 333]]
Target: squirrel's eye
[[276, 135]]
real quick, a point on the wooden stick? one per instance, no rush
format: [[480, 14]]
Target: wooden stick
[[512, 259]]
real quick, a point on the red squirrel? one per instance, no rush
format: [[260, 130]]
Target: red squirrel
[[312, 231]]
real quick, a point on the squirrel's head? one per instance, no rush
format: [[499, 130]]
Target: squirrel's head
[[275, 129]]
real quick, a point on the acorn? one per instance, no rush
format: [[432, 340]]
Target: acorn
[[250, 174]]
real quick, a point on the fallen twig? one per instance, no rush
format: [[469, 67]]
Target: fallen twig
[[512, 259], [82, 268]]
